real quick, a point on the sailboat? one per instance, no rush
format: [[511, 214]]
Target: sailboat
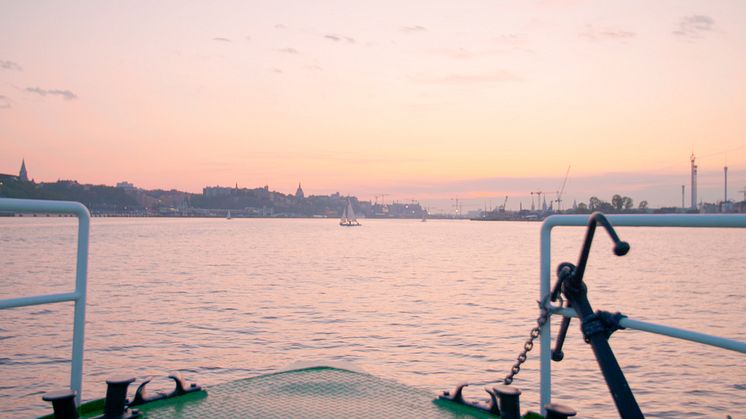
[[348, 216]]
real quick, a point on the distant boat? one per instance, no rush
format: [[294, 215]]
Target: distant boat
[[348, 216], [228, 216]]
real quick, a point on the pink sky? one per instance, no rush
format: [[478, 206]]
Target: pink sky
[[423, 100]]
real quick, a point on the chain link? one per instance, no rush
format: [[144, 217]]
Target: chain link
[[529, 344]]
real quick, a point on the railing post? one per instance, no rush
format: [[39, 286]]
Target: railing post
[[545, 392], [81, 281], [81, 276]]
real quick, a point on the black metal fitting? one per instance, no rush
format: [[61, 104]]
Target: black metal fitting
[[63, 403], [597, 327], [115, 405], [601, 322], [510, 406], [494, 405], [141, 397], [457, 396], [611, 320], [558, 411]]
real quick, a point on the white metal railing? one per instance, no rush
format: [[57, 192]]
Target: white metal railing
[[81, 275], [672, 220]]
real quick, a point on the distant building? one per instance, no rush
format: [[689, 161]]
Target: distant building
[[23, 175], [126, 186], [299, 192], [211, 191]]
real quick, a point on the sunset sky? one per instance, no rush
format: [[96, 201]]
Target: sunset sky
[[426, 100]]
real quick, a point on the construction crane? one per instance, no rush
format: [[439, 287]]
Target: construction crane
[[502, 207], [457, 205], [562, 190]]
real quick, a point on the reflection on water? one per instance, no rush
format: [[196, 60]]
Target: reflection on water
[[428, 304]]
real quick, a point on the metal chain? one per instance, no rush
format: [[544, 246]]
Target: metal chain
[[529, 344]]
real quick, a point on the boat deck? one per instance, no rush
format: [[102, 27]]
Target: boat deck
[[318, 392]]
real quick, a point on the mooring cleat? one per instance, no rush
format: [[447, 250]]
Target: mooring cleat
[[141, 397], [457, 395], [181, 385], [494, 405], [510, 407], [63, 403], [559, 411]]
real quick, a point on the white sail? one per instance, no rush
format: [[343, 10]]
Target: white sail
[[350, 213], [344, 215], [348, 216]]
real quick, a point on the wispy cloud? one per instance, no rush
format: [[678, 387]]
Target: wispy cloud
[[468, 54], [4, 102], [497, 76], [10, 65], [410, 29], [66, 94], [339, 38], [220, 39], [694, 27], [455, 53], [289, 50], [606, 34]]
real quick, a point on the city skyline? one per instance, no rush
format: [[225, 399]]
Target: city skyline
[[486, 202], [428, 100]]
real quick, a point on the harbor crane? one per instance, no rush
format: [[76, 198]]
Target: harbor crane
[[457, 205], [383, 198], [501, 208], [561, 191]]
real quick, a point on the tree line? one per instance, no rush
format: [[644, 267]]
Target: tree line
[[618, 203]]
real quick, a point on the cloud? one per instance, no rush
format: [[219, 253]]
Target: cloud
[[497, 76], [289, 50], [411, 29], [66, 94], [10, 65], [339, 38], [280, 26], [466, 54], [595, 34], [694, 27], [455, 53], [4, 102], [219, 39]]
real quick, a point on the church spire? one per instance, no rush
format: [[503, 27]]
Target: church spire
[[23, 175]]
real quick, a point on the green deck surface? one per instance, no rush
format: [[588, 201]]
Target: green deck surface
[[320, 392]]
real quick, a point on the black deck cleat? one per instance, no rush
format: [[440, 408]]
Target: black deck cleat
[[115, 405], [559, 411], [63, 403], [510, 406]]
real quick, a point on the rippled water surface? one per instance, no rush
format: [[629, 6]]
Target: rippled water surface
[[428, 304]]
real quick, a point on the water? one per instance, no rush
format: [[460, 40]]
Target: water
[[428, 304]]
